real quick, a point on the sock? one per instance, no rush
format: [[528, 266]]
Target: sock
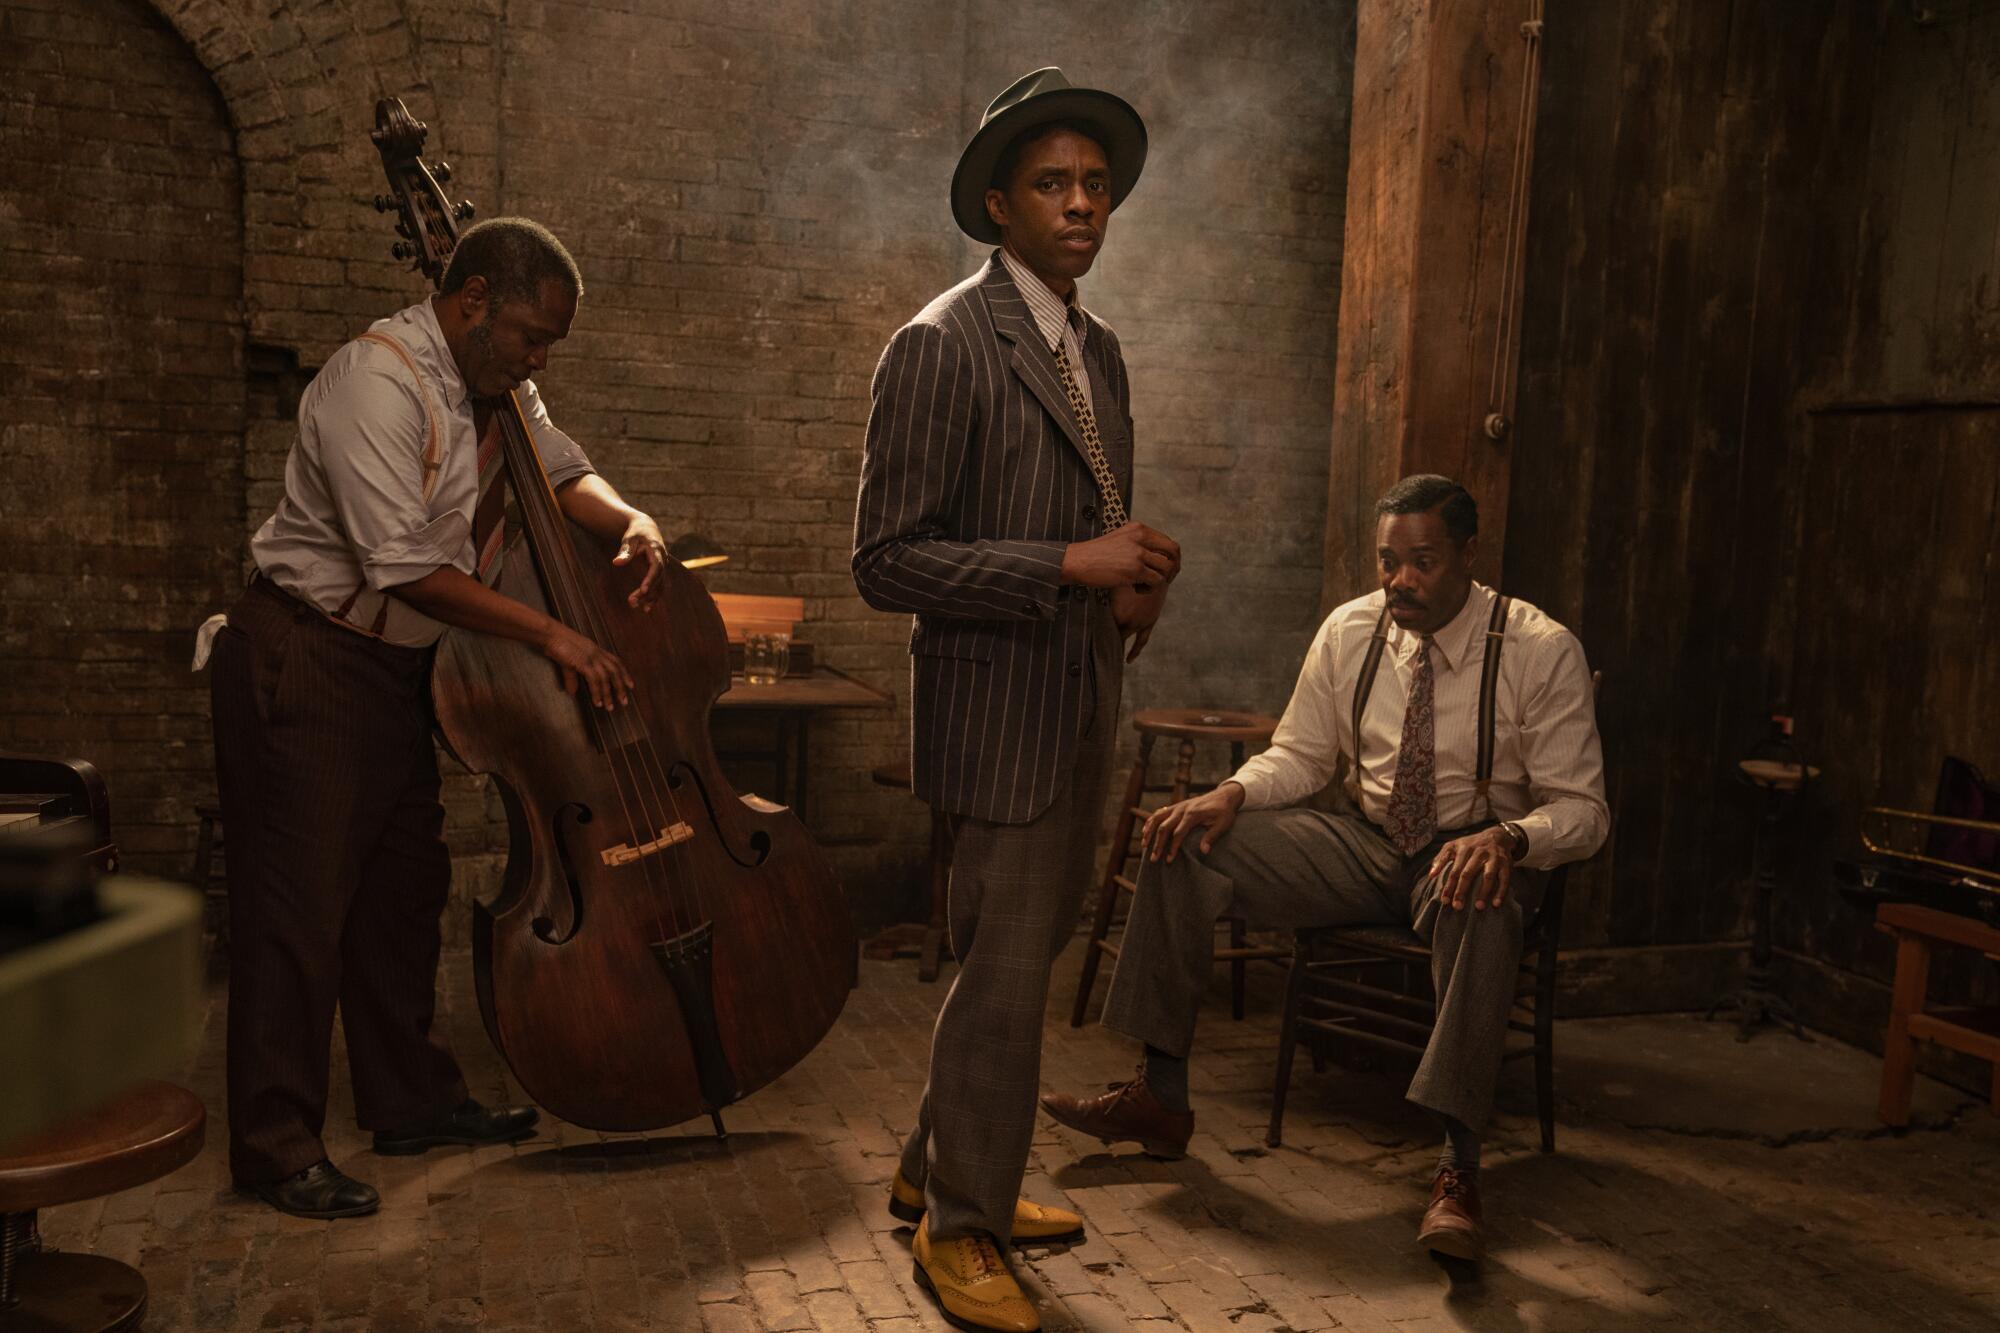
[[1461, 1147], [1166, 1076]]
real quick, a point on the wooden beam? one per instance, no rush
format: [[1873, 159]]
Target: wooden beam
[[1437, 96]]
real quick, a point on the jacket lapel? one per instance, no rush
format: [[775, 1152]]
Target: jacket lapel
[[1031, 360]]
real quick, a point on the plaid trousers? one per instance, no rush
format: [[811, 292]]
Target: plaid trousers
[[1016, 893]]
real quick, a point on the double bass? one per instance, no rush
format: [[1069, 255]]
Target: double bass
[[661, 946]]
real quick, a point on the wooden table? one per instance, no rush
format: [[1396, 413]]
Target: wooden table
[[791, 703]]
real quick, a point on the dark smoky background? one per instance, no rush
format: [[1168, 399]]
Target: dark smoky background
[[756, 193]]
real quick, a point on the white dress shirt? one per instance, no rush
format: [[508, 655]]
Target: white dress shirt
[[1548, 767], [354, 514]]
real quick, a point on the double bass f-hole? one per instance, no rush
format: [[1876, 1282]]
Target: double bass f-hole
[[569, 812]]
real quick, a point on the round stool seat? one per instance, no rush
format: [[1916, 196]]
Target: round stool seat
[[148, 1131], [893, 775], [1205, 724]]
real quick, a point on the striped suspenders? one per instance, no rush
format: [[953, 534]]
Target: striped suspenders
[[1489, 692]]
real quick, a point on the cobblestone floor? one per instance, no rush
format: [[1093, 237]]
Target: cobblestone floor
[[785, 1230]]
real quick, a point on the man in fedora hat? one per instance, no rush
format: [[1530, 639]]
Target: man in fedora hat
[[994, 490]]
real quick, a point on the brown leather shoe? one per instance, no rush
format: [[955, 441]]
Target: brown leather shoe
[[1451, 1224], [1127, 1113]]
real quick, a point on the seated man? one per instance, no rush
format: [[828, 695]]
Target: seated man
[[1393, 683]]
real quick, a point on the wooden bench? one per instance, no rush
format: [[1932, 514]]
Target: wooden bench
[[1975, 1031]]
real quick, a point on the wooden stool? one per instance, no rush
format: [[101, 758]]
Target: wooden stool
[[1188, 725], [149, 1131], [925, 940], [1973, 1031]]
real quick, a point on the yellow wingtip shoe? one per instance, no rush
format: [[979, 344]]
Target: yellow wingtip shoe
[[971, 1285], [1034, 1223]]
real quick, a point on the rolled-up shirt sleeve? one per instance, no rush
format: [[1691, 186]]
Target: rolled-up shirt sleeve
[[562, 458], [371, 445]]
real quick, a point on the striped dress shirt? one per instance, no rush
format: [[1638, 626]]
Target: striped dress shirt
[[1056, 318], [355, 512], [1548, 766]]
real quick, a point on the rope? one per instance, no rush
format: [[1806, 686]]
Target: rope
[[1500, 394]]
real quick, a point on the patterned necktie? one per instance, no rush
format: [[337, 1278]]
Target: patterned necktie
[[1412, 816], [489, 516], [1108, 500]]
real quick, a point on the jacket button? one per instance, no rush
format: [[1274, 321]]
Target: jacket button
[[1076, 668], [1090, 511]]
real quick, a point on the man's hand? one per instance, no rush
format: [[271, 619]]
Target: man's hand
[[1477, 867], [642, 541], [609, 683], [1132, 554], [1167, 828], [1135, 614]]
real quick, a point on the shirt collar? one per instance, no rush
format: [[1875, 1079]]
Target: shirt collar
[[1455, 642], [1051, 312], [423, 322]]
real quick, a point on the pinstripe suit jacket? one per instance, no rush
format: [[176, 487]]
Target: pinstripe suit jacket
[[973, 480]]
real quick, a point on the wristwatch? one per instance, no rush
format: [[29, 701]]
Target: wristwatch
[[1517, 836]]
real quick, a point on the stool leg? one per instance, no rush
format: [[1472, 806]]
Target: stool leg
[[17, 1241], [1237, 968], [1183, 772], [1899, 1052], [1288, 1039], [1114, 866], [1545, 1041], [928, 960]]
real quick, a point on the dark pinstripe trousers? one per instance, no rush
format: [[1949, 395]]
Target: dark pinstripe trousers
[[1016, 893], [338, 875]]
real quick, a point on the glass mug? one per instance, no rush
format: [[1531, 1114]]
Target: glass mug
[[766, 658]]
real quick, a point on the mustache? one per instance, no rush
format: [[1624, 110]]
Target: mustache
[[1407, 603]]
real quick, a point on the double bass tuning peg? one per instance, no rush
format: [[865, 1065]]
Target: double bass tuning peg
[[463, 211], [383, 203], [402, 250], [443, 173]]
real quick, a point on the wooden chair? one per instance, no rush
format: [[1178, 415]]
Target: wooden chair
[[925, 939], [1325, 999], [1189, 726], [149, 1131]]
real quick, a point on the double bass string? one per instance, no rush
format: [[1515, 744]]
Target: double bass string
[[563, 573]]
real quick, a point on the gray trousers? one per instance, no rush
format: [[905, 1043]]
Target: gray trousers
[[1283, 869], [1016, 893]]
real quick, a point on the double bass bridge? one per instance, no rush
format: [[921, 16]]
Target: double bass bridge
[[625, 853]]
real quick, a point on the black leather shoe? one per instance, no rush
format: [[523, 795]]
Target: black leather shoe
[[322, 1190], [471, 1124]]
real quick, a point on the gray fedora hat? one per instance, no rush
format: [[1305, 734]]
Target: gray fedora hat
[[1037, 99]]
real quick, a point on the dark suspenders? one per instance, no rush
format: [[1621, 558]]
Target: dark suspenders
[[1489, 693]]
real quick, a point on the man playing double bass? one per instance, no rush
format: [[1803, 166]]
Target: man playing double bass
[[392, 527]]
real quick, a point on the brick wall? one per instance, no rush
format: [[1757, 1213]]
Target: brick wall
[[121, 484], [756, 196]]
